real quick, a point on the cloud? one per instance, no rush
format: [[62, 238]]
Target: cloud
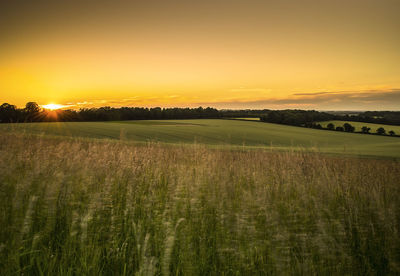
[[315, 93], [326, 100], [331, 100], [139, 101]]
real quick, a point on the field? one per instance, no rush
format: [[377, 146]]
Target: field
[[359, 125], [247, 119], [108, 207], [250, 134]]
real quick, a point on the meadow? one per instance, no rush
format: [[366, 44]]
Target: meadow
[[220, 133], [359, 125], [72, 206]]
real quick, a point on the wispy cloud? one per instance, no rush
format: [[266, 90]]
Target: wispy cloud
[[315, 93], [324, 100], [147, 101], [338, 100]]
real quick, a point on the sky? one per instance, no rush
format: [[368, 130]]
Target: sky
[[311, 54]]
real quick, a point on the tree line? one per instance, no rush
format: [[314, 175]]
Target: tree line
[[375, 117], [32, 112], [297, 117], [347, 127], [309, 119]]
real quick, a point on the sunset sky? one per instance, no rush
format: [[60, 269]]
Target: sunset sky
[[326, 55]]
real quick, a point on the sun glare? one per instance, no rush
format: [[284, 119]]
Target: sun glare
[[52, 106]]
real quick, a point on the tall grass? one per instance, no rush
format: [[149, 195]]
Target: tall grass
[[96, 207]]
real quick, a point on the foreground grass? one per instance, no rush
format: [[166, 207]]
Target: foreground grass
[[222, 133], [101, 207]]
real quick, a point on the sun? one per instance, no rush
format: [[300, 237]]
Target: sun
[[52, 106]]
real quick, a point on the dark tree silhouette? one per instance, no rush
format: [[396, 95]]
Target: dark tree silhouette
[[348, 127], [32, 107], [31, 111], [8, 113], [295, 117], [381, 131], [330, 126], [365, 129]]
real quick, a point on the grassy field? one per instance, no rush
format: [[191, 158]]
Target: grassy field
[[108, 207], [359, 125], [247, 119], [222, 133]]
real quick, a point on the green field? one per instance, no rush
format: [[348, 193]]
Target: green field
[[359, 125], [247, 119], [222, 133]]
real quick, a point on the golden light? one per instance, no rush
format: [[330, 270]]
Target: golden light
[[53, 106]]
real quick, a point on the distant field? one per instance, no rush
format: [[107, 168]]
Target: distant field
[[248, 119], [359, 125], [222, 133]]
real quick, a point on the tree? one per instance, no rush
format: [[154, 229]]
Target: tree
[[392, 133], [32, 107], [365, 129], [305, 118], [330, 126], [339, 128], [31, 111], [348, 128], [8, 113], [381, 131]]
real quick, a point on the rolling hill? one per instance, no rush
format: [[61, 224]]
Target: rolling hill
[[218, 132]]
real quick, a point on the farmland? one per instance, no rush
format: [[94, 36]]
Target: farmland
[[196, 138], [99, 207], [221, 133], [248, 119]]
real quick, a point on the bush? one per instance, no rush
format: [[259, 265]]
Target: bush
[[365, 129], [381, 131], [348, 127]]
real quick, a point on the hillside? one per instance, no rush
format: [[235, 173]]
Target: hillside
[[222, 133]]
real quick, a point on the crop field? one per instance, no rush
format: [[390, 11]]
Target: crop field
[[250, 134], [247, 119], [109, 207], [359, 125]]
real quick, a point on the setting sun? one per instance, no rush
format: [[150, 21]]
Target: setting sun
[[52, 106], [222, 54]]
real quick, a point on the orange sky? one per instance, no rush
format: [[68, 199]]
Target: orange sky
[[227, 54]]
